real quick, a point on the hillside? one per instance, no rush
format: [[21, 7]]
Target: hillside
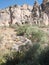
[[24, 34]]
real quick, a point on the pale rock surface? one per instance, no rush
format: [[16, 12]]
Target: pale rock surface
[[25, 14], [45, 18]]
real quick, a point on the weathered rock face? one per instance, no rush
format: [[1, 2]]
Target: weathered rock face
[[39, 14], [25, 14], [15, 14], [45, 6], [4, 17], [44, 18]]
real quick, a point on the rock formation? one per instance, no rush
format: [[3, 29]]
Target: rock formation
[[37, 14], [40, 13]]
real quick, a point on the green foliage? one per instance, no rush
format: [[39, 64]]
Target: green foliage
[[44, 57], [36, 54], [2, 60], [22, 30], [35, 34]]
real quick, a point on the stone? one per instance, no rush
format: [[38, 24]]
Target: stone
[[36, 9], [23, 41], [45, 18], [24, 14]]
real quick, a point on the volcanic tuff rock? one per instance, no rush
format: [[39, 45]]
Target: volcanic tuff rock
[[36, 14]]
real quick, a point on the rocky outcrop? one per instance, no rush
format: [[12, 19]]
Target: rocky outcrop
[[4, 17], [9, 41], [15, 14], [37, 14]]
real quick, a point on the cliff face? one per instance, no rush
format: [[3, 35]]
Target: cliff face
[[45, 6], [15, 14], [37, 14]]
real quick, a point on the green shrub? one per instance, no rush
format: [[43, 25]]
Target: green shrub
[[44, 57], [35, 34], [34, 56], [2, 60], [35, 52], [22, 30]]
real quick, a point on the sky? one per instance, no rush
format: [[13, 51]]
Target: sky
[[6, 3]]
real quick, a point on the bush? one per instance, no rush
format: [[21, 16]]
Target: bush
[[2, 60], [22, 30], [35, 34], [44, 57], [37, 54]]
